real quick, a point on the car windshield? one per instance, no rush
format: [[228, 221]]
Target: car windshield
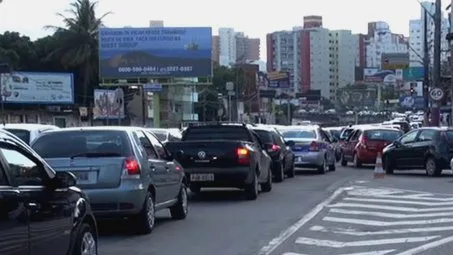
[[299, 134], [24, 135], [335, 133], [65, 144], [383, 135], [237, 133], [345, 134], [265, 136], [161, 135]]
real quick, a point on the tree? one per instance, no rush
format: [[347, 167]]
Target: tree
[[18, 51], [78, 43]]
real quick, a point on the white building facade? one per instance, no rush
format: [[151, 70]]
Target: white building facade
[[227, 46]]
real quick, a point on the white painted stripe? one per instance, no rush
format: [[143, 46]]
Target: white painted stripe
[[391, 208], [354, 232], [408, 191], [387, 223], [394, 201], [335, 244], [277, 241], [292, 253], [421, 197], [371, 253], [391, 215], [428, 246]]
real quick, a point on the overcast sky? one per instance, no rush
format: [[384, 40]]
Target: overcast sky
[[254, 17]]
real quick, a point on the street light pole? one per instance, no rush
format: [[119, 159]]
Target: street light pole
[[435, 113], [426, 59]]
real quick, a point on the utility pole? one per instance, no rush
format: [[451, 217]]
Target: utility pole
[[426, 59], [435, 111]]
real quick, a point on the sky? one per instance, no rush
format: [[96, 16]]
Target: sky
[[255, 18]]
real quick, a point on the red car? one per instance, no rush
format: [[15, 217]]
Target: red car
[[364, 143]]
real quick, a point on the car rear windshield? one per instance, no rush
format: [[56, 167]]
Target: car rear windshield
[[345, 134], [449, 136], [161, 135], [383, 135], [234, 133], [335, 133], [24, 135], [265, 136], [299, 134], [65, 144]]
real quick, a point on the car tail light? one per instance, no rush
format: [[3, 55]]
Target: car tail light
[[314, 146], [243, 155], [274, 148], [132, 168], [178, 168], [363, 142]]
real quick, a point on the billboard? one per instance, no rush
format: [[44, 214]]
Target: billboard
[[382, 76], [155, 52], [410, 102], [414, 74], [108, 104], [393, 61], [357, 96], [38, 88], [279, 80]]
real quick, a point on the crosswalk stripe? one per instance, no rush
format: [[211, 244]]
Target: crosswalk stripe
[[336, 244], [354, 232], [378, 223], [391, 215], [427, 246], [391, 208], [393, 201], [371, 253], [421, 197]]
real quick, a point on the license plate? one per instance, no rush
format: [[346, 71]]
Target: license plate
[[202, 177], [85, 177], [299, 159]]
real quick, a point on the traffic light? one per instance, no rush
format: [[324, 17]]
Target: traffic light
[[412, 91]]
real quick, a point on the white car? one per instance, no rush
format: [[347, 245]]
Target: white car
[[28, 132], [451, 164]]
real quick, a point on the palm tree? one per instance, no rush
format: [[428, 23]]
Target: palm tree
[[78, 47]]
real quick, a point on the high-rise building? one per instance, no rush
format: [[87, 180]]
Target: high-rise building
[[247, 49], [227, 46], [216, 49], [381, 40], [156, 23], [317, 59], [416, 36]]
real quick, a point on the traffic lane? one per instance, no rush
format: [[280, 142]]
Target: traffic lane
[[222, 222], [380, 218]]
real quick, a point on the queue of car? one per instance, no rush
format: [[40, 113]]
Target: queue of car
[[86, 174]]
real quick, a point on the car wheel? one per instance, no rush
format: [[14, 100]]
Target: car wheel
[[292, 171], [356, 162], [322, 169], [86, 242], [146, 219], [388, 165], [332, 167], [344, 162], [280, 175], [252, 189], [432, 168], [267, 186], [180, 210]]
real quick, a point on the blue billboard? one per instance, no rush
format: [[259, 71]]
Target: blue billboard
[[155, 52], [414, 74], [410, 102]]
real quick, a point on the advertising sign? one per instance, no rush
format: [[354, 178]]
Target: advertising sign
[[108, 104], [155, 52], [279, 80], [357, 97], [414, 74], [410, 102], [392, 61], [38, 88], [382, 76]]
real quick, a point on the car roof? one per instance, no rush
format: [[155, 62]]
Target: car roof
[[28, 127], [100, 128]]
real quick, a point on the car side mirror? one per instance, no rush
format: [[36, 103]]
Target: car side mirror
[[63, 180], [290, 143], [397, 143]]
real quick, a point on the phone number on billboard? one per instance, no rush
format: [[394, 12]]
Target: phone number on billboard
[[155, 69]]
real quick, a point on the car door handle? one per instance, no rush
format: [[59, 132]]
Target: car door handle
[[32, 205]]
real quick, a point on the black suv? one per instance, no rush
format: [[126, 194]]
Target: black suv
[[282, 157], [41, 212]]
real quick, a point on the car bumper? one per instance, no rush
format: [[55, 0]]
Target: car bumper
[[236, 177], [122, 201], [308, 159]]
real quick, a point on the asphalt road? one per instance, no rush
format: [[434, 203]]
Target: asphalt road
[[342, 212]]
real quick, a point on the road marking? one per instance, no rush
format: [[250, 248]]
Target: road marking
[[391, 215], [335, 244], [428, 246], [422, 197], [274, 243], [354, 232], [392, 208], [392, 201], [378, 223], [292, 253], [371, 253]]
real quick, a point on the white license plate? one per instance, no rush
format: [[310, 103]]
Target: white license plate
[[299, 159], [202, 177], [86, 177]]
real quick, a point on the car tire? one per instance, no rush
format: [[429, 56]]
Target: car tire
[[86, 241], [388, 165], [267, 186], [355, 161], [180, 210], [252, 189], [292, 171], [280, 175], [343, 162], [432, 168], [332, 167], [322, 169], [146, 219]]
